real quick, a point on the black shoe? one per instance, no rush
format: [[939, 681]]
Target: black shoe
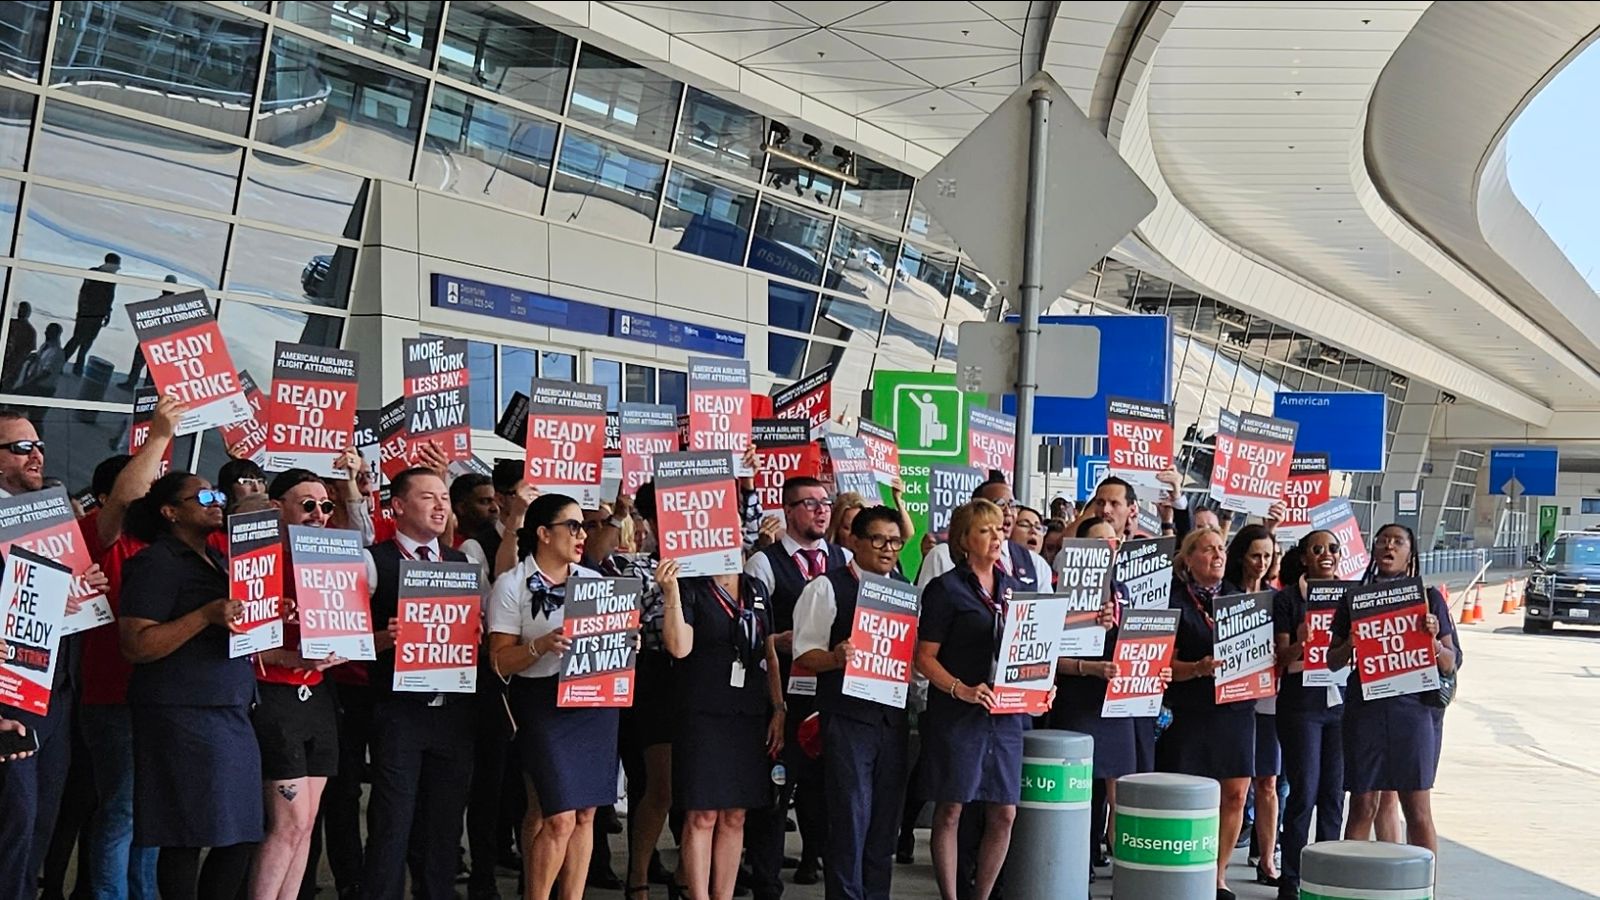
[[658, 873], [609, 820], [1263, 878], [807, 873], [791, 862], [1100, 861], [905, 857], [604, 879], [1225, 894], [1288, 891]]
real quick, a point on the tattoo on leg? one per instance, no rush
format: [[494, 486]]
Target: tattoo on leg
[[288, 792]]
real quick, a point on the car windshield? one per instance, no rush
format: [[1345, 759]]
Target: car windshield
[[1576, 551]]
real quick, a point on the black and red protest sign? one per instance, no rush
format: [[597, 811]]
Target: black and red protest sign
[[513, 422], [883, 635], [255, 579], [1322, 601], [440, 628], [313, 412], [784, 450], [883, 450], [1144, 568], [1083, 575], [948, 488], [368, 441], [1025, 670], [1338, 518], [189, 360], [144, 412], [1138, 440], [719, 407], [1222, 457], [1242, 636], [436, 383], [1393, 651], [566, 440], [1145, 640], [330, 592], [991, 440], [647, 429], [1307, 489], [602, 622], [852, 470], [810, 398], [394, 450], [1258, 471], [697, 513], [34, 592], [247, 438], [43, 523]]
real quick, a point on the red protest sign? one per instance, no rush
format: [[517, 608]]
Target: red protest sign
[[883, 450], [34, 591], [1339, 519], [647, 429], [313, 412], [1259, 468], [1030, 640], [247, 438], [991, 440], [810, 398], [566, 439], [331, 597], [1242, 635], [394, 451], [1138, 440], [189, 360], [697, 513], [1145, 641], [1222, 457], [43, 522], [1393, 652], [602, 622], [436, 381], [436, 649], [719, 407], [144, 410], [1322, 602], [883, 634], [1307, 489], [255, 578], [784, 450]]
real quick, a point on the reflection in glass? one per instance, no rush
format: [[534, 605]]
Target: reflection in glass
[[606, 187], [252, 331], [482, 410], [9, 191], [983, 299], [16, 118], [88, 146], [500, 51], [77, 440], [790, 242], [195, 63], [923, 225], [786, 356], [705, 216], [404, 29], [23, 26], [76, 229], [675, 390], [558, 365], [624, 98], [790, 307], [880, 196], [326, 104], [720, 134], [608, 374], [861, 263], [922, 281], [910, 336], [852, 365], [288, 267], [806, 168], [849, 321], [517, 368], [639, 385], [481, 149], [288, 192]]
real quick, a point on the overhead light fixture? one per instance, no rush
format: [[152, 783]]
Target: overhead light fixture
[[1330, 356], [778, 135], [1399, 382]]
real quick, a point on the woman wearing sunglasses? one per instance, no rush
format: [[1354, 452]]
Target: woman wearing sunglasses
[[1309, 719], [569, 756], [197, 767]]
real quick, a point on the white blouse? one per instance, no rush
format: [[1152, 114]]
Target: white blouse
[[512, 611]]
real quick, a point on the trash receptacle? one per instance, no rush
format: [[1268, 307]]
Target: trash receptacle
[[1049, 855], [97, 374], [1366, 870], [1165, 833]]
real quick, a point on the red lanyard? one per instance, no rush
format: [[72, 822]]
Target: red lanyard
[[1210, 623], [726, 601]]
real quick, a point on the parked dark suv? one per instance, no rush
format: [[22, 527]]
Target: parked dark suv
[[1565, 586]]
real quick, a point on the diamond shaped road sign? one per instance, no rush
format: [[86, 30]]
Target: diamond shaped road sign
[[1093, 199]]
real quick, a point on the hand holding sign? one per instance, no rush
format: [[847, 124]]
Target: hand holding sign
[[225, 613]]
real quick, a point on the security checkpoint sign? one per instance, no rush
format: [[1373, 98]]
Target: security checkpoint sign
[[1259, 469], [566, 439], [1138, 440], [189, 360], [991, 440], [719, 408], [312, 417], [928, 415], [1307, 489]]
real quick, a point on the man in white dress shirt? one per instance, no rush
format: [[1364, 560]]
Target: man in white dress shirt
[[1025, 565]]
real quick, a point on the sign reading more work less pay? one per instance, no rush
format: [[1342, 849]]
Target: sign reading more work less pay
[[188, 359], [436, 379], [601, 619]]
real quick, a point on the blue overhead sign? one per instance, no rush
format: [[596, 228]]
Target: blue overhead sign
[[1349, 426], [535, 308], [1533, 468], [1135, 362], [1091, 471]]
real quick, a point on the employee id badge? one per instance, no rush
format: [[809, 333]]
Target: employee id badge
[[736, 674]]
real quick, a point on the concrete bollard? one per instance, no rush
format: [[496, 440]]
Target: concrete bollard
[[1366, 870], [1049, 856], [1166, 837]]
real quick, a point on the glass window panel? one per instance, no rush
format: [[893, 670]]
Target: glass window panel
[[722, 135], [624, 98], [861, 263], [1087, 283], [915, 337], [9, 191], [790, 307], [88, 146], [880, 196], [481, 149], [802, 181], [101, 343], [517, 368], [23, 26], [639, 384], [852, 365], [482, 410], [77, 441], [923, 225], [192, 62], [326, 104], [705, 216], [786, 356], [982, 298], [1153, 295], [76, 229], [606, 187], [500, 51], [300, 195], [253, 331], [849, 321], [1118, 282], [16, 119], [404, 29], [286, 267], [790, 242], [557, 365], [608, 374], [675, 390]]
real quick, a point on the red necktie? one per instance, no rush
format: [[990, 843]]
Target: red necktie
[[424, 553]]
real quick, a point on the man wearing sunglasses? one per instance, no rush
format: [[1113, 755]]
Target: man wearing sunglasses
[[864, 743], [785, 568], [1020, 562]]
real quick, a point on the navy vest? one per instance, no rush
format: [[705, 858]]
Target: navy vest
[[830, 684], [386, 558], [788, 582], [1022, 570]]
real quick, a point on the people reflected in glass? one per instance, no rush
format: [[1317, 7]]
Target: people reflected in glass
[[95, 299], [21, 340]]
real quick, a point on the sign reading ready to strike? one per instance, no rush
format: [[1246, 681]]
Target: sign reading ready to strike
[[1259, 467], [1338, 518], [247, 438], [991, 440], [1138, 440], [784, 450], [330, 581], [1307, 489], [1393, 651], [144, 412], [1145, 641], [697, 512], [255, 579], [648, 430], [436, 644], [313, 411], [189, 360], [566, 440], [810, 398], [883, 452], [883, 635], [1322, 601], [719, 408]]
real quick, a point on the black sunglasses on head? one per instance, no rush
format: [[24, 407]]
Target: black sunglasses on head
[[23, 448]]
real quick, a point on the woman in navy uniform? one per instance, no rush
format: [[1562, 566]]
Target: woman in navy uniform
[[1309, 719], [1250, 562], [730, 717], [969, 755], [1392, 744], [569, 756], [1207, 739]]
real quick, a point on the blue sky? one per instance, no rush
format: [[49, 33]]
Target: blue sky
[[1550, 161]]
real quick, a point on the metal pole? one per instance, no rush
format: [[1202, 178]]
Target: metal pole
[[1028, 298]]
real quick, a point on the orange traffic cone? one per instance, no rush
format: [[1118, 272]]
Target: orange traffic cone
[[1522, 592], [1466, 608], [1508, 602], [1477, 603]]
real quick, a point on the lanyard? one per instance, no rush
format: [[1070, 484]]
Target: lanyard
[[746, 633], [1200, 605]]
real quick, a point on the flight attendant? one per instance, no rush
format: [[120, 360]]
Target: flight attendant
[[969, 755], [1205, 738], [1251, 555], [568, 755], [730, 717]]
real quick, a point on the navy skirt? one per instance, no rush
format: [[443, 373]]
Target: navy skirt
[[196, 776], [720, 762], [1390, 744], [569, 754], [971, 756], [1269, 758], [650, 720], [1210, 741], [1116, 742]]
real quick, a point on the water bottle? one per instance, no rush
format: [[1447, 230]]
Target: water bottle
[[780, 775]]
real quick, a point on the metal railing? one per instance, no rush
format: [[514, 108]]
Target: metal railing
[[1438, 562]]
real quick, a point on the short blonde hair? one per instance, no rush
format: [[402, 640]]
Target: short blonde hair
[[966, 519], [842, 504], [1192, 539]]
